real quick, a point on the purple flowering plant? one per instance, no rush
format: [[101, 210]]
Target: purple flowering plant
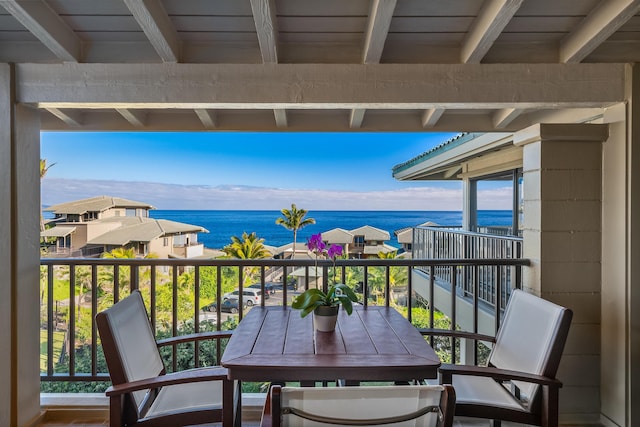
[[338, 294]]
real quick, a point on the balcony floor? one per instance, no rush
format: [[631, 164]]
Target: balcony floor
[[102, 423]]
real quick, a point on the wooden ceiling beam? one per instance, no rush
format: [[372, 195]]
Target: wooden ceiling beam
[[431, 116], [326, 86], [71, 118], [135, 118], [356, 117], [264, 15], [38, 18], [208, 118], [493, 17], [281, 118], [377, 29], [502, 118], [597, 27], [157, 26]]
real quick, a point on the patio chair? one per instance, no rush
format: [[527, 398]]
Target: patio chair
[[519, 383], [414, 405], [143, 394]]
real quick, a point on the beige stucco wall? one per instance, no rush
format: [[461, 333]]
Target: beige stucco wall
[[562, 226], [156, 246]]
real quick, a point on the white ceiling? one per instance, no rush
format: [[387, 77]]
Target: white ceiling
[[457, 64]]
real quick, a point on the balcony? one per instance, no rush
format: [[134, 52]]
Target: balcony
[[73, 290]]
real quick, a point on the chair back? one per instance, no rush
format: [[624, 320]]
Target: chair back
[[129, 345], [531, 338], [424, 406]]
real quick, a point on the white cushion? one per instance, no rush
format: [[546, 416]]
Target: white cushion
[[484, 391], [192, 396], [135, 341], [526, 336], [361, 403]]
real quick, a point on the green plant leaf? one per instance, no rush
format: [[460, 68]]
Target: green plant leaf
[[346, 303], [308, 301]]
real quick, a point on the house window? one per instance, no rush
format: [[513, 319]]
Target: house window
[[165, 241], [130, 212], [358, 241], [511, 180]]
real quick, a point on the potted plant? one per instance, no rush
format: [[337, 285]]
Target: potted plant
[[325, 305]]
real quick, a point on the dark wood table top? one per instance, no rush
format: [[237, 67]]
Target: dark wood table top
[[374, 343]]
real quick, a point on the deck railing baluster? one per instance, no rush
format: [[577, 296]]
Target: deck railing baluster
[[148, 275]]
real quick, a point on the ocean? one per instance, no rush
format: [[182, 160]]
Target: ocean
[[224, 224]]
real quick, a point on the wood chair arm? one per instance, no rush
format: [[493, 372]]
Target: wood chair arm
[[457, 334], [181, 377], [447, 371], [201, 336]]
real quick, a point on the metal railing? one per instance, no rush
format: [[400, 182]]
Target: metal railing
[[73, 291], [441, 243]]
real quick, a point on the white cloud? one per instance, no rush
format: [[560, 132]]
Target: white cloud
[[230, 197]]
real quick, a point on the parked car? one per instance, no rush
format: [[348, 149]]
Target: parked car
[[228, 305], [250, 296], [268, 287]]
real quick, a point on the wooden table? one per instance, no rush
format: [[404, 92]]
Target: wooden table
[[374, 343]]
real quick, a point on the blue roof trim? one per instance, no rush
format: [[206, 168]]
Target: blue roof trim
[[449, 144]]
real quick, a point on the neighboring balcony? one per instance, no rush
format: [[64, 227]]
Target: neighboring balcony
[[74, 290]]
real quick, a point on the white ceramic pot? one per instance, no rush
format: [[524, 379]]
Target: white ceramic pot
[[325, 317]]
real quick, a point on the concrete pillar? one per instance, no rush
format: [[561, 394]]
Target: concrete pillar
[[19, 257], [562, 168], [469, 204]]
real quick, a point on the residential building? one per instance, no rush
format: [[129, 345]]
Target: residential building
[[90, 227], [361, 242], [405, 237]]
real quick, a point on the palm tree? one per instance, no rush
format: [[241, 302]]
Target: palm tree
[[294, 219], [397, 275], [249, 246], [43, 171]]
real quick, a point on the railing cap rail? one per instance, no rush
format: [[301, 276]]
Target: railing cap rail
[[370, 262]]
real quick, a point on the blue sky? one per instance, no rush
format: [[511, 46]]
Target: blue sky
[[240, 170]]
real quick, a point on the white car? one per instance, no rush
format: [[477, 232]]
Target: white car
[[249, 296]]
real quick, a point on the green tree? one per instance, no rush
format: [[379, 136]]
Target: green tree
[[249, 246], [294, 219]]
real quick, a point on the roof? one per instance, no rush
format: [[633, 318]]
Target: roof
[[371, 233], [409, 65], [95, 204], [444, 162], [139, 229], [376, 249], [453, 142], [313, 272], [61, 231], [405, 234], [337, 236]]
